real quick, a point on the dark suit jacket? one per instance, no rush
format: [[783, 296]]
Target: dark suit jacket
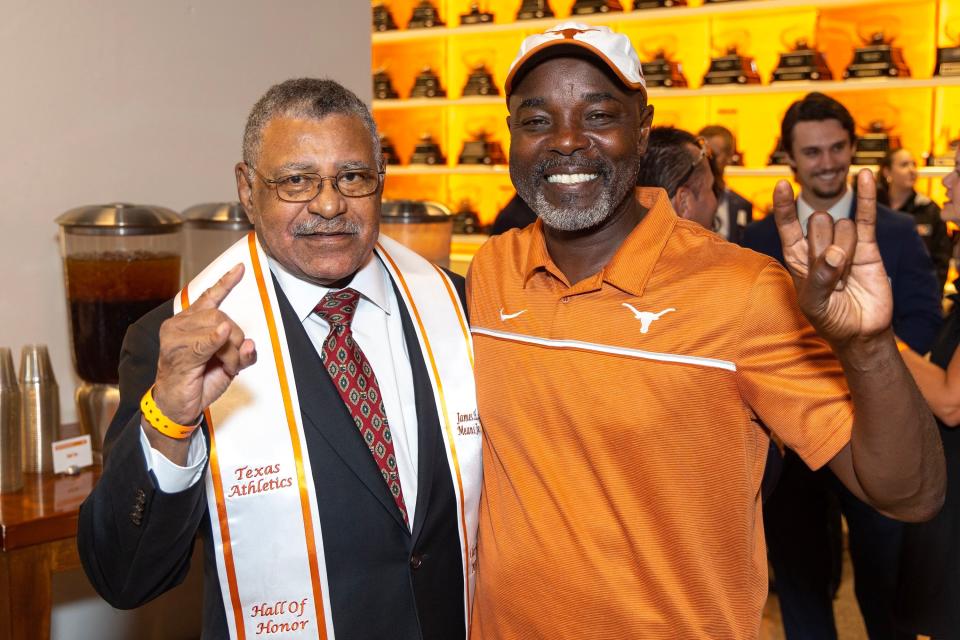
[[916, 302], [135, 541], [933, 232], [735, 204]]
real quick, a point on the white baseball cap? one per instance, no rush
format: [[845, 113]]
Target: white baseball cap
[[614, 49]]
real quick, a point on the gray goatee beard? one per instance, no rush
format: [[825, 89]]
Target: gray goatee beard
[[572, 218], [618, 180]]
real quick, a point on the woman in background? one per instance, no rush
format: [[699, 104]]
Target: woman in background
[[896, 179], [929, 589]]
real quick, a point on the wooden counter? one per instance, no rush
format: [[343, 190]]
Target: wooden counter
[[38, 528]]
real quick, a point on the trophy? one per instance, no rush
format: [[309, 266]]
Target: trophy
[[802, 63], [657, 4], [948, 61], [482, 150], [534, 9], [779, 155], [382, 18], [877, 59], [427, 151], [586, 7], [388, 151], [874, 143], [948, 58], [944, 159], [480, 82], [425, 15], [383, 86], [466, 219], [427, 85], [732, 68], [475, 16], [661, 71]]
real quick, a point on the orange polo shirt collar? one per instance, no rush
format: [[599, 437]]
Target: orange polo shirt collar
[[633, 262]]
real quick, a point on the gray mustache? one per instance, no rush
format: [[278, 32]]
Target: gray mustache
[[321, 225]]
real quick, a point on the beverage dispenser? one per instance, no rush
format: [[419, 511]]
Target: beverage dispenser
[[426, 227], [119, 262], [209, 230]]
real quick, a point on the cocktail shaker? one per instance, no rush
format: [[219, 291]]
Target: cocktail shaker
[[11, 466], [40, 409]]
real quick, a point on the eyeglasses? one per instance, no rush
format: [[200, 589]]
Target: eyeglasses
[[705, 153], [304, 187]]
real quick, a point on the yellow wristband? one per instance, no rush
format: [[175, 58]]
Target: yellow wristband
[[156, 419]]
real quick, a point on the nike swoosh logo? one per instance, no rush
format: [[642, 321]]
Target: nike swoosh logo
[[510, 316]]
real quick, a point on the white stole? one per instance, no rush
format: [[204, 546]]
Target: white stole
[[260, 491]]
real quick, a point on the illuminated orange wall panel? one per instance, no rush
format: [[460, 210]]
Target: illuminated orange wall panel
[[919, 110]]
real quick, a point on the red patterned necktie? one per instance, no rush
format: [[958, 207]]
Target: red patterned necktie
[[357, 384]]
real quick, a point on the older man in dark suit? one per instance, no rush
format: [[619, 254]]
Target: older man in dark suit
[[306, 404]]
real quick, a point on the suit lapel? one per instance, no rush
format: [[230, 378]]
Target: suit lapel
[[428, 424], [323, 409]]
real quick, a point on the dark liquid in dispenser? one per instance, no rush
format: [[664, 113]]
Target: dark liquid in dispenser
[[107, 293]]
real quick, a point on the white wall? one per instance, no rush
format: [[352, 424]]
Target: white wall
[[137, 101]]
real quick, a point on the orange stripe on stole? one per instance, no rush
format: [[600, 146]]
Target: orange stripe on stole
[[229, 568], [294, 439], [446, 426], [456, 307]]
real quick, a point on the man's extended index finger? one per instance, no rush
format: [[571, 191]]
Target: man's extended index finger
[[866, 214], [785, 214], [212, 297]]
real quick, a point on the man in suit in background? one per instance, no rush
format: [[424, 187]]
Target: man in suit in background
[[801, 521], [340, 490], [683, 166], [734, 212]]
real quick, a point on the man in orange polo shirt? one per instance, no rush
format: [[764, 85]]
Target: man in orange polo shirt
[[625, 359]]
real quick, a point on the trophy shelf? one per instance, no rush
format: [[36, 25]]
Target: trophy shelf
[[778, 171], [445, 170], [671, 14], [753, 111], [783, 171], [423, 103], [831, 86]]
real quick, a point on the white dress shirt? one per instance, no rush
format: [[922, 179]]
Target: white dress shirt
[[721, 219], [378, 329], [839, 211]]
